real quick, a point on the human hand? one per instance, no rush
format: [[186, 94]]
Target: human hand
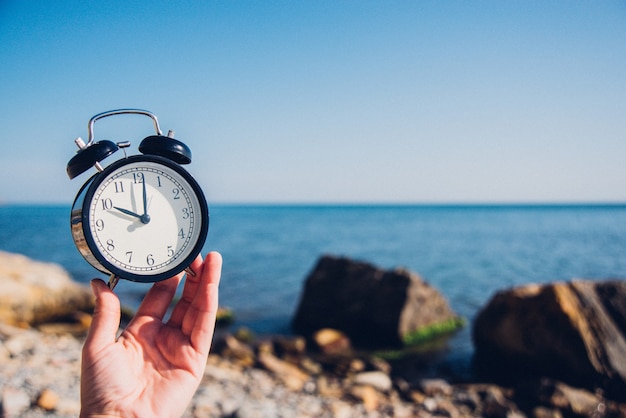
[[154, 367]]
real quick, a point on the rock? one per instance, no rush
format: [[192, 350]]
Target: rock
[[578, 401], [368, 395], [224, 317], [33, 292], [291, 375], [341, 410], [69, 407], [377, 363], [244, 334], [77, 324], [544, 412], [309, 366], [574, 331], [289, 345], [14, 402], [430, 404], [332, 342], [378, 380], [467, 398], [495, 403], [417, 397], [18, 344], [567, 398], [48, 400], [328, 388], [235, 350], [35, 374], [434, 387], [375, 308]]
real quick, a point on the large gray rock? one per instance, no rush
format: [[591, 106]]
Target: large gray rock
[[574, 331], [32, 292], [374, 307]]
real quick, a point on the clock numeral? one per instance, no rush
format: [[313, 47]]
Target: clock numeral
[[107, 204], [138, 178], [129, 254], [150, 260], [99, 224], [185, 213], [176, 194], [181, 233], [119, 187], [159, 181], [170, 251], [110, 245]]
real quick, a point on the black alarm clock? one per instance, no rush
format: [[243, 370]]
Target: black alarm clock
[[143, 218]]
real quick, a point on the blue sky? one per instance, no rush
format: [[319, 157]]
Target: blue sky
[[326, 101]]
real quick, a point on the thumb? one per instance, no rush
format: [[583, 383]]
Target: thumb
[[106, 316]]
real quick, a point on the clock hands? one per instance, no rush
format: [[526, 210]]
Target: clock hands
[[145, 218]]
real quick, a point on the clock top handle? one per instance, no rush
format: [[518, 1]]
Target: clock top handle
[[93, 120], [164, 146], [90, 154]]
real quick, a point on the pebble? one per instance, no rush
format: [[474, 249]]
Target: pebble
[[40, 374], [14, 402], [40, 378], [378, 380], [48, 400], [433, 387]]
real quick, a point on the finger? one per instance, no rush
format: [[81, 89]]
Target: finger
[[158, 298], [199, 320], [106, 316], [189, 291]]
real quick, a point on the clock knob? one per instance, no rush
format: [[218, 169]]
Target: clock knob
[[166, 146], [89, 156]]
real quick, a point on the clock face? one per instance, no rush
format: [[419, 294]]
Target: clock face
[[146, 219]]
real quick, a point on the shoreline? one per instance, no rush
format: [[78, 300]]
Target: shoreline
[[41, 379], [291, 377]]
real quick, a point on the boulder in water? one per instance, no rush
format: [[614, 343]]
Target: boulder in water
[[373, 307], [574, 331]]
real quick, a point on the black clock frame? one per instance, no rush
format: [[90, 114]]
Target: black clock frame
[[83, 238]]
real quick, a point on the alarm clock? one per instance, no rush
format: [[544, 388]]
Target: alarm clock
[[142, 218]]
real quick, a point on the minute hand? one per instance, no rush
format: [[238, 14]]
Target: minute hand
[[145, 218]]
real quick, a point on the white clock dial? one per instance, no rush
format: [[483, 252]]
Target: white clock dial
[[144, 218]]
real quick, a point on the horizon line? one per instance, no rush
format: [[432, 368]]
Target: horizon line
[[538, 203]]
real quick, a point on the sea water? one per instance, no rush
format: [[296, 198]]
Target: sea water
[[467, 252]]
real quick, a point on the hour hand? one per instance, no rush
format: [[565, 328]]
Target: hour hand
[[128, 212]]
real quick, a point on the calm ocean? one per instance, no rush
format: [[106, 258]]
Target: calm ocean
[[467, 252]]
